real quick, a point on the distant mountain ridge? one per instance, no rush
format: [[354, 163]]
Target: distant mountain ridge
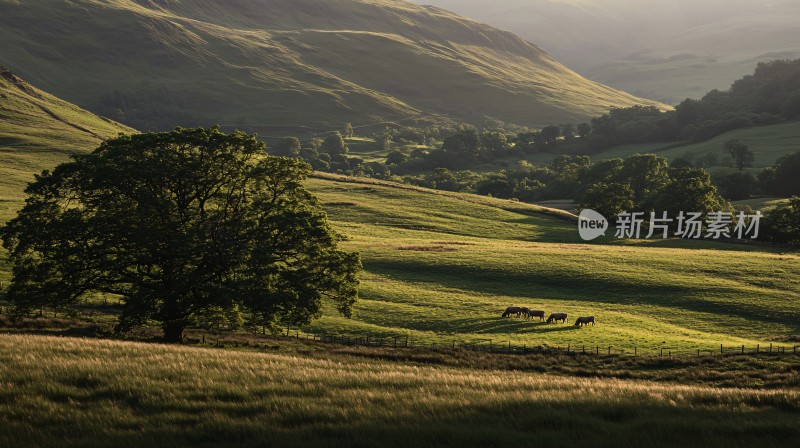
[[275, 64], [667, 50]]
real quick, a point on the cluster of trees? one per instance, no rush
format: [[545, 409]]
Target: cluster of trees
[[782, 224], [646, 182], [640, 182], [780, 180], [771, 95], [329, 155], [463, 149]]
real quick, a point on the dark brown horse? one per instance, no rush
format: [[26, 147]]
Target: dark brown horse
[[584, 320], [515, 310], [557, 317], [535, 313]]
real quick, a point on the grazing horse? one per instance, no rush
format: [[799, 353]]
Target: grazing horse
[[515, 310], [557, 317], [535, 313], [584, 320]]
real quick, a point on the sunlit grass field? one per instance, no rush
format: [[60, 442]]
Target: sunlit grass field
[[441, 269], [63, 392]]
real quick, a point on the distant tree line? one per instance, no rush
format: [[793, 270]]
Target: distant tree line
[[771, 95]]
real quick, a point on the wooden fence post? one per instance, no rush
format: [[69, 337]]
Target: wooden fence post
[[720, 349]]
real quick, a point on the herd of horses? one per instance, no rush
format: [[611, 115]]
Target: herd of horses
[[527, 313]]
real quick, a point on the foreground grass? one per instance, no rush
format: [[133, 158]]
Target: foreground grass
[[108, 393]]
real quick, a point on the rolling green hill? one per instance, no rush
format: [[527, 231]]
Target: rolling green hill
[[279, 65], [442, 266]]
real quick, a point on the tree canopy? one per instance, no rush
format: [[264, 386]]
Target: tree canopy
[[177, 224], [740, 153], [335, 145]]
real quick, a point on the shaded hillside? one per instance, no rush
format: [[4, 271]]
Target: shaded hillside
[[275, 64], [38, 130], [662, 49]]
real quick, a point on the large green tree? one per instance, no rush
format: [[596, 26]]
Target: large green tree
[[287, 147], [608, 199], [688, 191], [646, 174], [177, 224]]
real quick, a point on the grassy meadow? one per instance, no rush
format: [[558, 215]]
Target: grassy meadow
[[441, 269], [113, 393]]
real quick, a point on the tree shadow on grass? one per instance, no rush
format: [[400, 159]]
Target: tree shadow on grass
[[491, 326]]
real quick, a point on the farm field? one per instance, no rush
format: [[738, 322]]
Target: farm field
[[440, 269], [114, 393]]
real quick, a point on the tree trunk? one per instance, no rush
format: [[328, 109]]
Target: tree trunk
[[173, 330]]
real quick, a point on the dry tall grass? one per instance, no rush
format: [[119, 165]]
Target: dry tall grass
[[80, 392]]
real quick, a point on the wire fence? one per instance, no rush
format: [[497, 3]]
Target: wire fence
[[508, 346]]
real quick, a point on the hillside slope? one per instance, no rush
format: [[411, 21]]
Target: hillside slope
[[441, 266], [272, 64], [662, 49], [37, 131]]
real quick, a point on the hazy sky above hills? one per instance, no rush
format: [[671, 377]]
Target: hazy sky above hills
[[718, 40]]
